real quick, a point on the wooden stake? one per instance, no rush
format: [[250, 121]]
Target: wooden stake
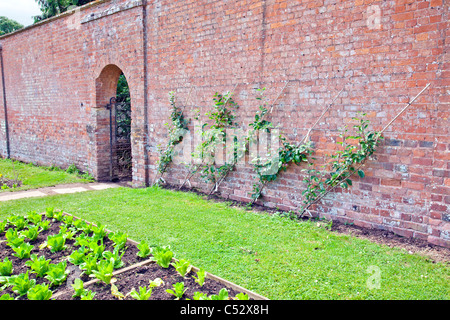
[[404, 109], [279, 95], [321, 116]]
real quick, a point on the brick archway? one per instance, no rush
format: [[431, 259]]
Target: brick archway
[[105, 89]]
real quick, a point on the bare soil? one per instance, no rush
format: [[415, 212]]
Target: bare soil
[[9, 183], [140, 277]]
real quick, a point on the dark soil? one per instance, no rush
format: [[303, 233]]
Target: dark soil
[[140, 277], [412, 245], [10, 183]]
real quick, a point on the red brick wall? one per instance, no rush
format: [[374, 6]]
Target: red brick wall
[[53, 73], [381, 52]]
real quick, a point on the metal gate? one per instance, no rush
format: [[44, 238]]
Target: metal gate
[[120, 140]]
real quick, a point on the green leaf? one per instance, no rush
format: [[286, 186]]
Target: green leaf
[[361, 173]]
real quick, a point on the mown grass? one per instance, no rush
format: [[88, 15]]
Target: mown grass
[[33, 177], [273, 256]]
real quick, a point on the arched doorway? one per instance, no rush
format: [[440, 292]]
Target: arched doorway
[[114, 155], [121, 132]]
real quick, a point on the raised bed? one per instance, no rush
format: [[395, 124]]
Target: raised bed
[[134, 273]]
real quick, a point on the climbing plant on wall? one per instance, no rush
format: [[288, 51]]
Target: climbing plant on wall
[[269, 166], [214, 135], [355, 150], [343, 164], [177, 128]]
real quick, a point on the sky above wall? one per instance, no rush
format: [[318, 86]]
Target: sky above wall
[[21, 11]]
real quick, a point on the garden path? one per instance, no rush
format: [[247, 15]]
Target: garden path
[[59, 189]]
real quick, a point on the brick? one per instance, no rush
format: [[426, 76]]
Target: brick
[[422, 37], [413, 185], [426, 144], [439, 207], [403, 232], [391, 182], [438, 241], [435, 3], [441, 173], [403, 16]]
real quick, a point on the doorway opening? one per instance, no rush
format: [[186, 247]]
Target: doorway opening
[[120, 127], [113, 130]]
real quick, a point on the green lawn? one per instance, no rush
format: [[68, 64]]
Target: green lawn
[[33, 177], [273, 256]]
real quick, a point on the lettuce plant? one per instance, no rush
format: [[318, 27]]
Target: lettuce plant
[[56, 242], [156, 283], [241, 296], [6, 267], [87, 228], [3, 225], [44, 225], [81, 225], [163, 256], [13, 238], [31, 233], [67, 232], [57, 273], [104, 271], [83, 240], [23, 251], [143, 294], [6, 296], [15, 242], [68, 220], [39, 292], [18, 221], [21, 283], [182, 266], [99, 231], [58, 215], [89, 264], [201, 275], [77, 257], [115, 257], [49, 212], [144, 249], [200, 296], [39, 266], [119, 238], [88, 295], [78, 288], [34, 217], [178, 290], [116, 293], [97, 249], [223, 295]]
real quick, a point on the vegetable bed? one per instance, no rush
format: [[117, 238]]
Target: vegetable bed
[[58, 256]]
